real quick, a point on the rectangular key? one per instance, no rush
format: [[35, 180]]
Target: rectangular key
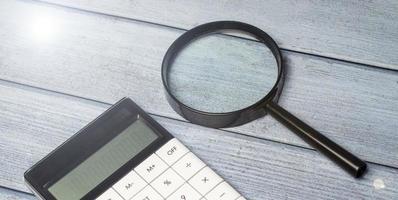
[[188, 165], [167, 183], [129, 185], [205, 180], [185, 192], [148, 193], [223, 191], [150, 168], [172, 151]]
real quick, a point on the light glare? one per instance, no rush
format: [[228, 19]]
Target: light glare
[[43, 27]]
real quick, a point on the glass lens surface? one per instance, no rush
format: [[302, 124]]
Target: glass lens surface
[[221, 73]]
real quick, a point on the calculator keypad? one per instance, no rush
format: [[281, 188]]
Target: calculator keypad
[[171, 173]]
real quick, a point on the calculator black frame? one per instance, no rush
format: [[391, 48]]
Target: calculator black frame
[[89, 139]]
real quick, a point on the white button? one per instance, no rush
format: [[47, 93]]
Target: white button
[[188, 165], [172, 151], [129, 185], [205, 180], [223, 191], [167, 183], [148, 193], [241, 198], [150, 168], [110, 194], [185, 192]]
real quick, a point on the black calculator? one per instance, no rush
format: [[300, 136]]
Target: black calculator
[[125, 155]]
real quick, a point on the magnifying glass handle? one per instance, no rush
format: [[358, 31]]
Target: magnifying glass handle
[[349, 162]]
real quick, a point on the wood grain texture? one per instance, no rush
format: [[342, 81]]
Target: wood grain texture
[[106, 58], [39, 121], [359, 31], [7, 194]]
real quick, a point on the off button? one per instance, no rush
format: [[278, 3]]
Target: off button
[[172, 151]]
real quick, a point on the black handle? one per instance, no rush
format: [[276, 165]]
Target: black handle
[[340, 156]]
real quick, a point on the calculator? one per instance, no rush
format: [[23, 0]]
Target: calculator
[[125, 155]]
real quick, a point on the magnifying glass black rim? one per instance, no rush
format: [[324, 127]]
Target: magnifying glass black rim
[[232, 118]]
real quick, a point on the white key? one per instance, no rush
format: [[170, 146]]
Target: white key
[[150, 168], [129, 185], [205, 180], [241, 198], [223, 191], [167, 183], [188, 165], [185, 192], [148, 193], [110, 194], [172, 151]]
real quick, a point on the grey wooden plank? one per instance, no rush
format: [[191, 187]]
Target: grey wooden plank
[[359, 31], [33, 122], [106, 58], [7, 194]]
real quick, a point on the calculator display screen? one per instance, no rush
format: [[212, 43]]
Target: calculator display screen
[[104, 162]]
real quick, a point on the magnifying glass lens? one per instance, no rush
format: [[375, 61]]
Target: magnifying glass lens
[[220, 73]]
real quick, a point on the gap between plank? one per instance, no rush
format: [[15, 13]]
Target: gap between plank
[[152, 114], [85, 11], [25, 86], [18, 191]]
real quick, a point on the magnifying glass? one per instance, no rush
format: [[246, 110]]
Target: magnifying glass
[[219, 81]]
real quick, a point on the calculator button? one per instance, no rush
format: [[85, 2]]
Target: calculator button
[[188, 165], [205, 180], [172, 151], [223, 191], [167, 183], [110, 194], [148, 193], [150, 168], [185, 192], [129, 185]]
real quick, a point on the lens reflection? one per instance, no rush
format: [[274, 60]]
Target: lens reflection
[[219, 73]]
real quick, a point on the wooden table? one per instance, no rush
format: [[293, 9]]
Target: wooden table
[[342, 60]]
